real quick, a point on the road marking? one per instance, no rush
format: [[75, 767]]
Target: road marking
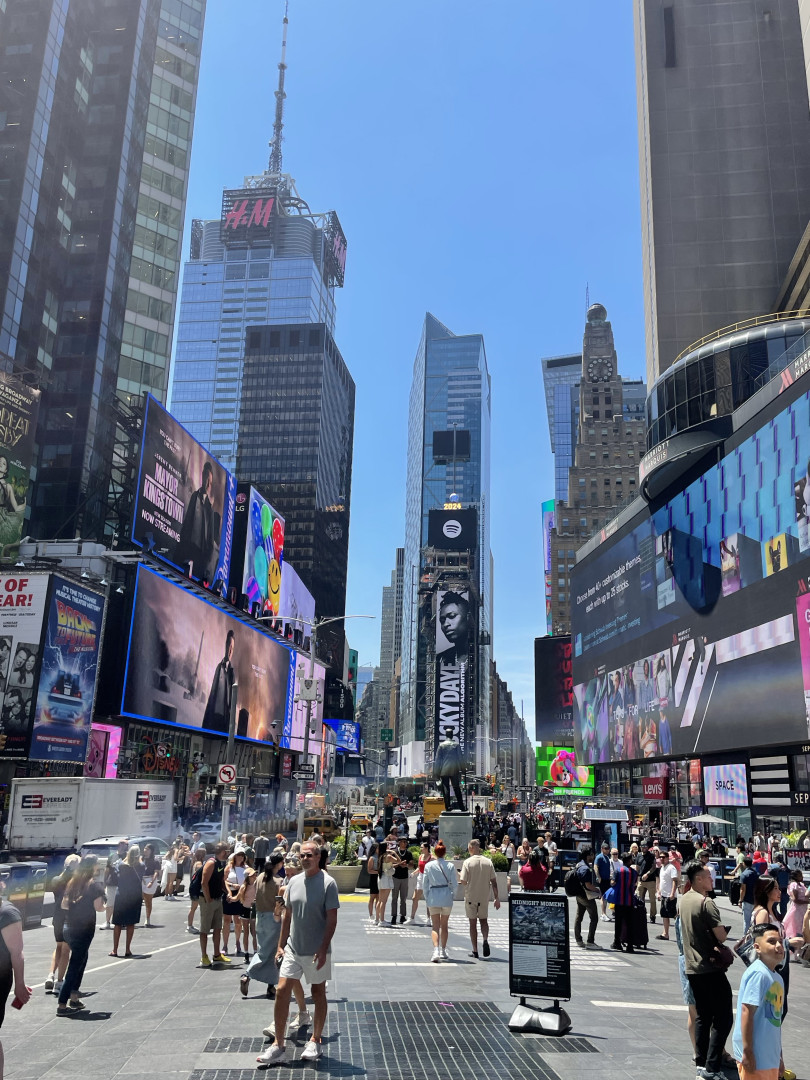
[[639, 1005], [126, 959]]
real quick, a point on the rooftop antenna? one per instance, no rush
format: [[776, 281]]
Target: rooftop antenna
[[278, 122], [587, 296]]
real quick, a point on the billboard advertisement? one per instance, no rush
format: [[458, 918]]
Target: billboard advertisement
[[184, 503], [454, 633], [19, 408], [691, 624], [67, 678], [453, 530], [295, 728], [23, 602], [297, 602], [347, 734], [547, 512], [725, 785], [558, 772], [553, 685], [263, 529], [184, 656]]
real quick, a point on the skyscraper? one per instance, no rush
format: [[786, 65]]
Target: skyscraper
[[267, 259], [450, 399], [724, 145], [97, 103], [296, 434], [604, 474]]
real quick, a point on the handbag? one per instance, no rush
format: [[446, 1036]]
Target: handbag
[[722, 956], [745, 947]]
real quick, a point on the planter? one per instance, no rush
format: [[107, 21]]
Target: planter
[[345, 876], [503, 885]]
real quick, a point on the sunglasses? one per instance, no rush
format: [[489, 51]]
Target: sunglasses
[[307, 855]]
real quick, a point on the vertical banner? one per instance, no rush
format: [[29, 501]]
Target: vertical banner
[[547, 510], [454, 631], [67, 679], [19, 408], [23, 600]]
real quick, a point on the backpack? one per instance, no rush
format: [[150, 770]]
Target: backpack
[[572, 884], [195, 885]]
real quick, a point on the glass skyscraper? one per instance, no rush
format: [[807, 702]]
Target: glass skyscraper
[[96, 110], [282, 277], [450, 388]]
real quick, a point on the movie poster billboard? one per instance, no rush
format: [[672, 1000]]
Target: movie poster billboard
[[23, 602], [184, 504], [19, 408], [264, 556], [68, 673], [553, 686], [295, 728], [186, 654], [454, 634]]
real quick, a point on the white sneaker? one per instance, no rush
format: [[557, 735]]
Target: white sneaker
[[437, 955], [592, 945], [303, 1019], [50, 981], [444, 955], [604, 918], [57, 986], [270, 1031], [311, 1052], [273, 1056]]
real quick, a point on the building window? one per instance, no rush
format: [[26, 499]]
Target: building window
[[596, 414]]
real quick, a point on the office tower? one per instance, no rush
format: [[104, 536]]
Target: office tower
[[97, 104], [267, 259], [391, 621], [296, 432], [604, 474], [448, 464], [724, 146]]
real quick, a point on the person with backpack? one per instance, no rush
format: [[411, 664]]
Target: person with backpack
[[579, 883], [208, 886]]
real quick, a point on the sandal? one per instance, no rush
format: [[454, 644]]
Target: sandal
[[244, 983], [128, 955], [663, 937], [115, 954]]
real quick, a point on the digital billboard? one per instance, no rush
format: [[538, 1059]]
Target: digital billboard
[[263, 553], [295, 728], [557, 771], [553, 685], [297, 602], [454, 632], [725, 785], [184, 503], [347, 733], [453, 530], [19, 409], [690, 623], [68, 673], [184, 656], [23, 602]]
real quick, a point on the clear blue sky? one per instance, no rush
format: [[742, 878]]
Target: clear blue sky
[[482, 158]]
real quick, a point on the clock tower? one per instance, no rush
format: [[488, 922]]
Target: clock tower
[[611, 435]]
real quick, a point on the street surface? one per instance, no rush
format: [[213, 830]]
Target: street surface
[[392, 1013]]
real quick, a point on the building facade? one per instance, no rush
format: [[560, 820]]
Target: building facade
[[97, 100], [724, 145], [604, 474], [296, 435], [450, 392]]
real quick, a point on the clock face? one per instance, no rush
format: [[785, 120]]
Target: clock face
[[600, 370]]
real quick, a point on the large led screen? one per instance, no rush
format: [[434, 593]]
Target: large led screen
[[184, 503], [185, 655], [725, 785], [263, 531], [295, 727], [557, 771], [691, 625], [553, 685]]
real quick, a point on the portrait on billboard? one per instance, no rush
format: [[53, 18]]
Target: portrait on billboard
[[453, 627], [801, 494], [24, 664], [591, 721], [454, 630], [184, 504], [19, 409], [187, 658], [5, 658]]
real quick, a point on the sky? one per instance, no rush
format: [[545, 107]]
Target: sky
[[483, 160]]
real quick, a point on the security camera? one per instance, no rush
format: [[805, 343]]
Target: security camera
[[274, 724]]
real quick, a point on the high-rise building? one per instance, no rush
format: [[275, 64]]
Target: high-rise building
[[448, 464], [267, 259], [604, 474], [724, 145], [97, 105], [391, 621], [296, 433]]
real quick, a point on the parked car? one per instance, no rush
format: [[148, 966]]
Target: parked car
[[209, 831], [104, 846]]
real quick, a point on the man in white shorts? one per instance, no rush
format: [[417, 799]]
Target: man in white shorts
[[304, 950]]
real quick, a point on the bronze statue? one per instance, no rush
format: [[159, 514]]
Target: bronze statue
[[448, 765]]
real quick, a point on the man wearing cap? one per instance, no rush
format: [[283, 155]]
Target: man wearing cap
[[647, 877]]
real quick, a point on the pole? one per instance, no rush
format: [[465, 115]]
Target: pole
[[313, 635], [226, 806]]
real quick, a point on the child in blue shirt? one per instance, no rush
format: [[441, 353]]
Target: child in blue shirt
[[757, 1036]]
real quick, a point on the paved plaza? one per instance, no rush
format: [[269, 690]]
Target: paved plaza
[[393, 1015]]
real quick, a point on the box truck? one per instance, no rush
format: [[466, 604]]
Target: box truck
[[62, 813]]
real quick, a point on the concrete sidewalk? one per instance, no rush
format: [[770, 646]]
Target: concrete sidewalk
[[393, 1014]]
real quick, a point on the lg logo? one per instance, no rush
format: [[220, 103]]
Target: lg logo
[[451, 528]]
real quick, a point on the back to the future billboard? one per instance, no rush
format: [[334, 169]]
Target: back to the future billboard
[[691, 625]]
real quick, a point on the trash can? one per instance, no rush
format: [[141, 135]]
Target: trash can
[[25, 889]]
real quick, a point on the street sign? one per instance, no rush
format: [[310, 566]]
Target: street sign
[[227, 774], [386, 734], [305, 769], [298, 775]]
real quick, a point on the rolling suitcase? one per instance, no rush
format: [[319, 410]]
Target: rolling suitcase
[[638, 927]]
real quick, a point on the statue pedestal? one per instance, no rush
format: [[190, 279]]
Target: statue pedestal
[[455, 829]]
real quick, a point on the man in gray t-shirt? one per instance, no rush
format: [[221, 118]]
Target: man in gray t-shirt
[[304, 950]]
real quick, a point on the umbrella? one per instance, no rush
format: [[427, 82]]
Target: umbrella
[[707, 819]]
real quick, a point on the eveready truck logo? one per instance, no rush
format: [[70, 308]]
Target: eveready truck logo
[[36, 802], [145, 799]]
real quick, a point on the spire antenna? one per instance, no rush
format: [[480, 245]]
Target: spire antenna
[[278, 122]]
